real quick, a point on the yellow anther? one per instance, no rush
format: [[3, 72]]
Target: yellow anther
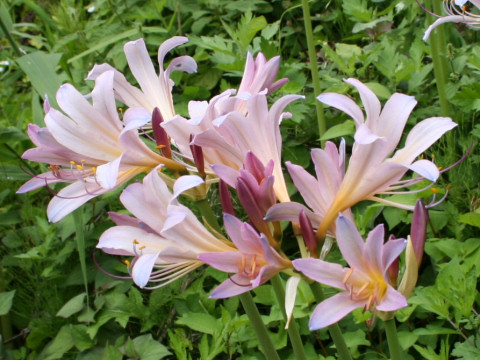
[[135, 241], [448, 187], [83, 161], [440, 167], [160, 146], [435, 190], [72, 162], [142, 247], [126, 262], [79, 167], [94, 170]]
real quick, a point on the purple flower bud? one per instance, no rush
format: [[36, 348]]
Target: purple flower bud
[[161, 137]]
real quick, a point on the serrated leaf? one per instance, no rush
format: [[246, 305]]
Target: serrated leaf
[[72, 306]]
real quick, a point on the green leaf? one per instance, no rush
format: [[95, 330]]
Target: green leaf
[[72, 306], [6, 300], [58, 346], [40, 69], [149, 349], [80, 337], [466, 350], [471, 218], [201, 322], [336, 131], [112, 353]]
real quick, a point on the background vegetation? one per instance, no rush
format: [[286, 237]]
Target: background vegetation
[[55, 301]]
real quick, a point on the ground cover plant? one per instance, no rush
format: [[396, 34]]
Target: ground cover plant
[[239, 179]]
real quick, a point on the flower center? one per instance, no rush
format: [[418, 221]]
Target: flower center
[[370, 288], [248, 266]]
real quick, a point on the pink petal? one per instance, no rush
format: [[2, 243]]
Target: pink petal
[[226, 261], [186, 182], [332, 310], [345, 104], [142, 269], [330, 274], [230, 288], [369, 99], [393, 301], [350, 242], [70, 198]]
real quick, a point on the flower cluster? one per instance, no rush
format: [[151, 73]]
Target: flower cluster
[[234, 142]]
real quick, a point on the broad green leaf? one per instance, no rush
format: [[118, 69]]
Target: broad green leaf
[[59, 345], [40, 69], [471, 218], [6, 300], [201, 322], [149, 349], [80, 337], [72, 306], [337, 131], [111, 353]]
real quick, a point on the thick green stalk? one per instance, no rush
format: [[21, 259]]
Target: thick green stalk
[[5, 324], [439, 58], [258, 326], [293, 333], [208, 214], [312, 55], [334, 329], [80, 239], [396, 352]]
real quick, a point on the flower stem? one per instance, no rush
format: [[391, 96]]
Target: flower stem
[[439, 53], [312, 55], [208, 214], [258, 326], [293, 333], [396, 352], [334, 329]]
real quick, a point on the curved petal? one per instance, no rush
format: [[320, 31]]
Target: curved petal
[[350, 242], [184, 183], [425, 168], [370, 101], [142, 269], [421, 137], [290, 211], [330, 274], [332, 310], [234, 285], [226, 261], [393, 300], [345, 104], [71, 198]]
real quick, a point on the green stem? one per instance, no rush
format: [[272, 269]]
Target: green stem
[[80, 239], [312, 56], [208, 214], [439, 58], [258, 326], [334, 329], [293, 333], [396, 352], [5, 324]]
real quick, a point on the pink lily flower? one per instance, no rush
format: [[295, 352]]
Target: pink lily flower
[[253, 264], [166, 238], [330, 171], [156, 90], [364, 283], [231, 137], [457, 13], [371, 171], [89, 147]]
